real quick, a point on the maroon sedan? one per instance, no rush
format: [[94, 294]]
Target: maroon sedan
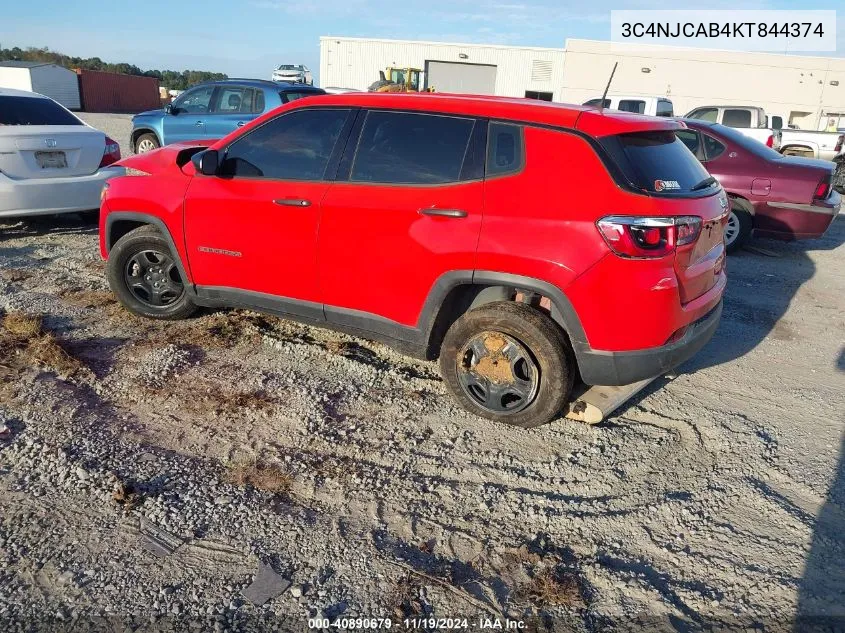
[[784, 197]]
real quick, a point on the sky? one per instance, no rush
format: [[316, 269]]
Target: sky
[[248, 38]]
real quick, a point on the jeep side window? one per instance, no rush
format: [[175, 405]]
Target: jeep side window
[[411, 148], [293, 146], [504, 149]]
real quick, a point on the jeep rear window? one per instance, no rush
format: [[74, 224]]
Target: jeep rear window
[[657, 162], [34, 111]]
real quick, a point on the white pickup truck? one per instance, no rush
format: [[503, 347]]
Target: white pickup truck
[[748, 120], [808, 143], [652, 106]]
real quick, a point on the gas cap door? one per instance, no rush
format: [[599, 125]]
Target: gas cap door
[[761, 186]]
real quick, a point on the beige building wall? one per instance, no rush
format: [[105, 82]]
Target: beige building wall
[[797, 87], [347, 62]]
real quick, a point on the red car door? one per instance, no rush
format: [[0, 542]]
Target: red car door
[[253, 227], [407, 210]]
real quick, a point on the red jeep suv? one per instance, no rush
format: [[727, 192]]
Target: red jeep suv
[[526, 244]]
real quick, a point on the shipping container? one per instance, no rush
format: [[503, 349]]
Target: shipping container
[[115, 92]]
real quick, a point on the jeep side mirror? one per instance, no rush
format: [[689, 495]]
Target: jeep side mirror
[[168, 109], [207, 162]]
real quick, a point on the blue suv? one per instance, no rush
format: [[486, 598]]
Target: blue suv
[[212, 110]]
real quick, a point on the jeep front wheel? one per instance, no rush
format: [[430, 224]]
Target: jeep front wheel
[[508, 362], [143, 274]]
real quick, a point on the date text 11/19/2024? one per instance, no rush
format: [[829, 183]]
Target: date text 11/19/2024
[[480, 624]]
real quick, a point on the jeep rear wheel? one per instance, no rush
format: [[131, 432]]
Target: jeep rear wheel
[[143, 274], [508, 362]]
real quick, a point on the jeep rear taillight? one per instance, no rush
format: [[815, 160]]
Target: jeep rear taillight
[[770, 141], [641, 237]]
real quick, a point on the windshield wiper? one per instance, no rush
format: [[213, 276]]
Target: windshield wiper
[[703, 184]]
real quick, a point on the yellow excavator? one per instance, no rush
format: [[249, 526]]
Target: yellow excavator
[[399, 80]]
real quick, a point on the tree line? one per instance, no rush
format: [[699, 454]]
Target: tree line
[[172, 79]]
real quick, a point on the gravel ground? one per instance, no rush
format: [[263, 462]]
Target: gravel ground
[[116, 126], [147, 475]]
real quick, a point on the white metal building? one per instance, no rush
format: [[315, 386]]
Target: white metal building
[[347, 62], [51, 80], [804, 90]]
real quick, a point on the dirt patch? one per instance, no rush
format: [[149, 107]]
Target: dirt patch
[[225, 329], [496, 369], [24, 342], [407, 598], [261, 476], [551, 587], [227, 403], [88, 298], [203, 397], [15, 275], [495, 366]]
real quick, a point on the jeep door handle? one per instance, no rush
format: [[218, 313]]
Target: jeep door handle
[[444, 213], [240, 124], [198, 123], [292, 202]]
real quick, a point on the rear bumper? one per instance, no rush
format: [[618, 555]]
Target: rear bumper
[[44, 196], [623, 368], [790, 221]]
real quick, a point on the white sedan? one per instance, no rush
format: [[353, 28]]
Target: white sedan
[[293, 72], [50, 161]]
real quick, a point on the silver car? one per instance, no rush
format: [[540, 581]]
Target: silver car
[[293, 72]]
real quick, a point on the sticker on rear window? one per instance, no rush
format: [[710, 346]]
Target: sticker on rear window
[[662, 185]]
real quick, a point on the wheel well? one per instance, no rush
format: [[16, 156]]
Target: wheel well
[[466, 297], [136, 134], [743, 203], [119, 228]]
